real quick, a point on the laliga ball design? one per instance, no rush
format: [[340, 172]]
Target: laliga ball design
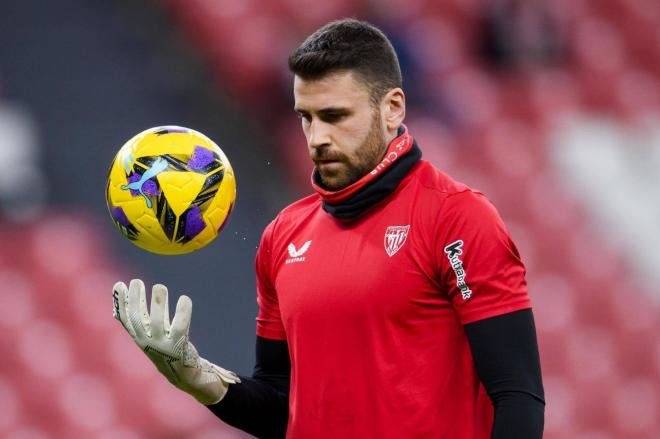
[[170, 190]]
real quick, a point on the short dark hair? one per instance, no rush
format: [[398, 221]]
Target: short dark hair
[[349, 45]]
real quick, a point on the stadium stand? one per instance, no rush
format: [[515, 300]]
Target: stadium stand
[[58, 379]]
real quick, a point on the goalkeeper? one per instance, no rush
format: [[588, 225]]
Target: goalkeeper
[[392, 302]]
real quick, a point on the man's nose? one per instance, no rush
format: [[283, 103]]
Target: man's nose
[[319, 135]]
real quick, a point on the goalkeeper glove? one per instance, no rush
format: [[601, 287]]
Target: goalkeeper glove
[[167, 346]]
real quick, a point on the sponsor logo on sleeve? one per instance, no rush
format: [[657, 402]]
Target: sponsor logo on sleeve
[[453, 251]]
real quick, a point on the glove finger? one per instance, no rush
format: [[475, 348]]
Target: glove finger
[[166, 316], [144, 311], [137, 309], [160, 320], [227, 376], [119, 303], [182, 317], [118, 289]]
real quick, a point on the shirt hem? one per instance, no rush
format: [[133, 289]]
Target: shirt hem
[[271, 334], [494, 312]]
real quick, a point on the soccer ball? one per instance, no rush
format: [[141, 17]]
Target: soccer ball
[[170, 190]]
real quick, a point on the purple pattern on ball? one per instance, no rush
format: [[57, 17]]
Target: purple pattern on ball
[[132, 179], [119, 216], [200, 158], [194, 222], [150, 188]]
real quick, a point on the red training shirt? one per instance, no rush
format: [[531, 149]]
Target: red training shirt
[[373, 309]]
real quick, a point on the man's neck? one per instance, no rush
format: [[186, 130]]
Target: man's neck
[[391, 135]]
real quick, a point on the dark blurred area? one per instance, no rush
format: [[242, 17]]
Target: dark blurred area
[[552, 108]]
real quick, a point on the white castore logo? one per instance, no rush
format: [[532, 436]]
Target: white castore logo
[[297, 254]]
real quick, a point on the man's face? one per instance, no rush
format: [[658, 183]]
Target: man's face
[[345, 133]]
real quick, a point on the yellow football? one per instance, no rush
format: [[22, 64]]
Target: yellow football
[[170, 190]]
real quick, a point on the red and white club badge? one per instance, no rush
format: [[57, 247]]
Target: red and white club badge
[[395, 237]]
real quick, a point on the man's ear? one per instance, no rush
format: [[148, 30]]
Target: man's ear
[[393, 109]]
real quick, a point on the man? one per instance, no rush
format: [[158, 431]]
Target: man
[[392, 303]]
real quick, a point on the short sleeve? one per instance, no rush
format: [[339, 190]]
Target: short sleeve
[[269, 320], [480, 265]]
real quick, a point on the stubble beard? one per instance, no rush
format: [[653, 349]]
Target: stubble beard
[[366, 158]]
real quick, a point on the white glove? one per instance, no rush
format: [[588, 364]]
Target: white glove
[[167, 346]]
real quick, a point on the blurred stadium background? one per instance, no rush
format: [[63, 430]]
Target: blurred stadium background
[[552, 108]]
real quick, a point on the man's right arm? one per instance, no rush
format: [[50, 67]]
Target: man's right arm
[[260, 405]]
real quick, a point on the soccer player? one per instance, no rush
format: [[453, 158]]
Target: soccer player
[[392, 301]]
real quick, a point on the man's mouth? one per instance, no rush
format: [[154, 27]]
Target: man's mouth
[[328, 164]]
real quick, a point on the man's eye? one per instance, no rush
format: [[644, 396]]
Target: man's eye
[[305, 118], [331, 118]]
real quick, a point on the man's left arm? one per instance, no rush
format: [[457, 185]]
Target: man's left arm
[[484, 275], [506, 358]]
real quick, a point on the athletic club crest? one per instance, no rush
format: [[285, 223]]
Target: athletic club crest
[[395, 237]]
